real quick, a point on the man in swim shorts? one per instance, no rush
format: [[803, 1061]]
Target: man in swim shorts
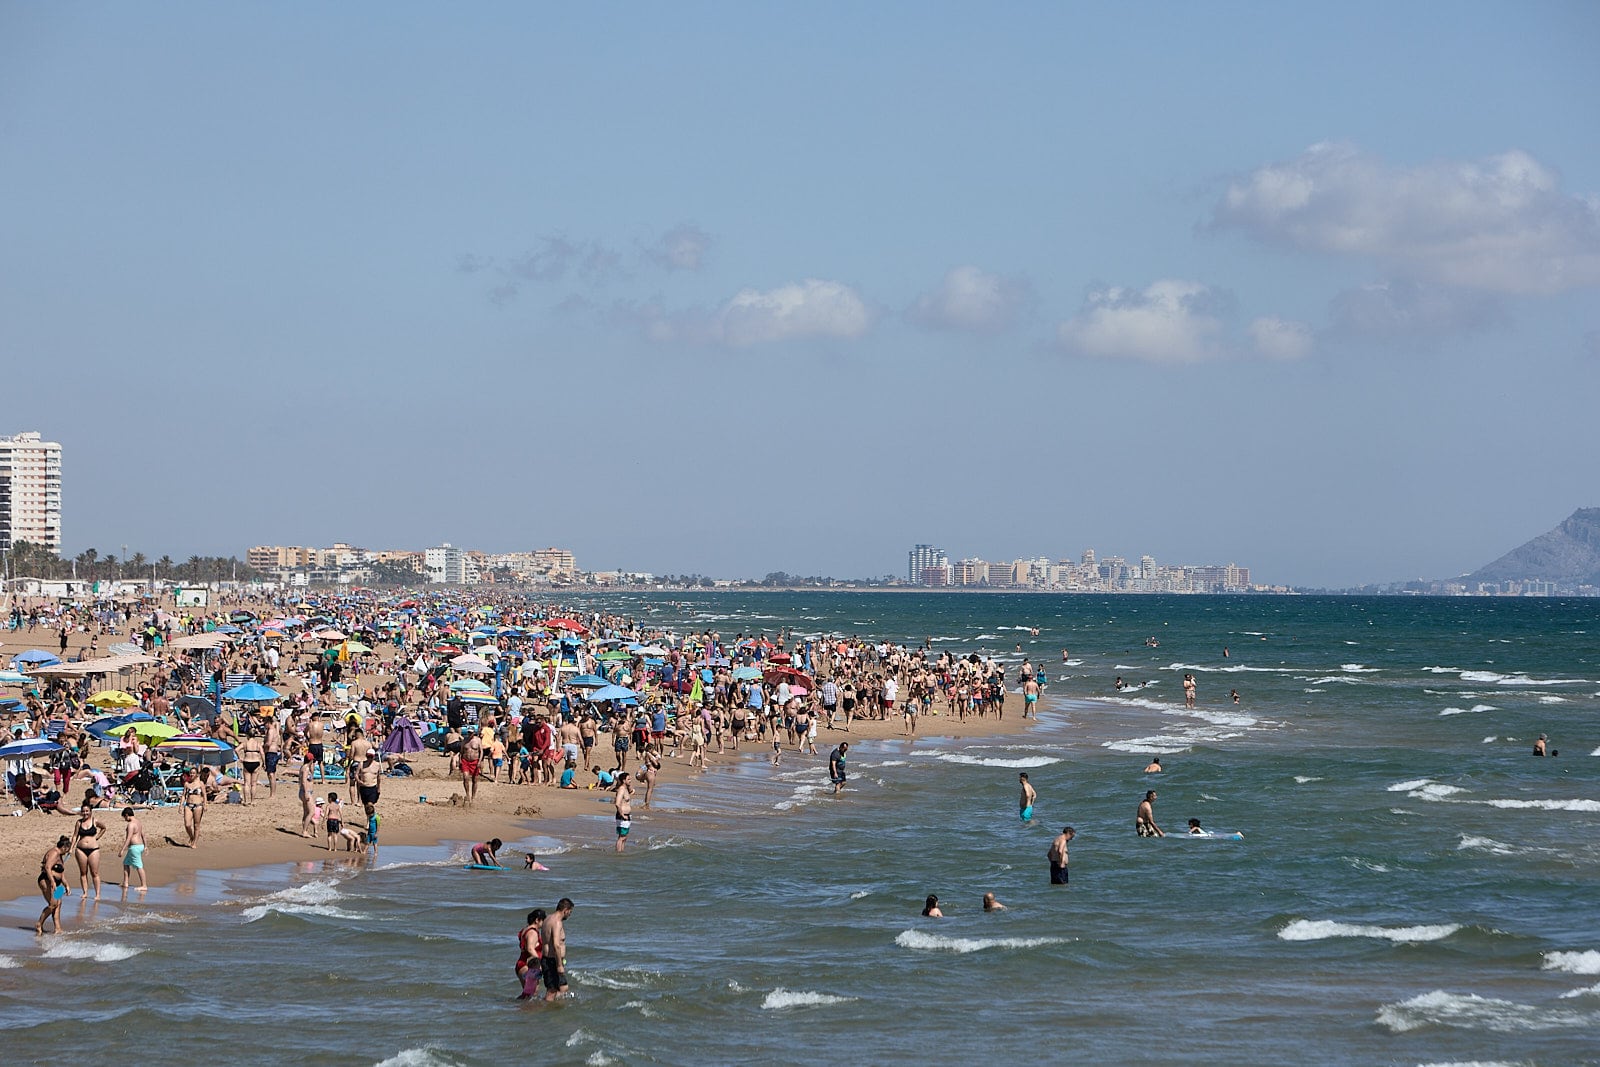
[[1144, 820], [1030, 697], [471, 759], [1057, 855], [623, 799], [1029, 795], [553, 940], [132, 848], [368, 775]]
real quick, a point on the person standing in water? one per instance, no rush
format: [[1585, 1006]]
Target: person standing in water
[[553, 943], [1144, 820], [622, 798], [1057, 855], [1025, 801]]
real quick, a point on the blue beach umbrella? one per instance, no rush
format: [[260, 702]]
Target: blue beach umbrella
[[251, 693], [586, 681], [28, 746], [745, 674], [35, 657], [613, 692]]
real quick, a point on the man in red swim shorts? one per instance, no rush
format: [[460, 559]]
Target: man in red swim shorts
[[471, 757]]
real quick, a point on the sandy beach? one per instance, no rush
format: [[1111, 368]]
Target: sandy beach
[[268, 831]]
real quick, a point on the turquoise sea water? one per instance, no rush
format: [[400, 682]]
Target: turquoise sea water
[[1413, 886]]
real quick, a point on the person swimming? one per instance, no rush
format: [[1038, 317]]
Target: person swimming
[[930, 907]]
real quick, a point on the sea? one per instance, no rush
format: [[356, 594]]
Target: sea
[[1412, 886]]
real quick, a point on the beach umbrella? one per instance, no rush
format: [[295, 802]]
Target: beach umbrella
[[745, 674], [198, 707], [472, 664], [468, 685], [125, 648], [774, 675], [101, 728], [357, 646], [650, 650], [11, 704], [35, 657], [478, 698], [113, 698], [403, 737], [28, 746], [571, 625], [614, 656], [251, 693], [10, 677], [587, 681], [158, 731], [332, 635], [229, 628], [612, 692], [195, 748]]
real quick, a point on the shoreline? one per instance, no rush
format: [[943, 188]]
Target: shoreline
[[235, 837]]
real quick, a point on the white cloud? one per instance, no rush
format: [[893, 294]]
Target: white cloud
[[683, 247], [809, 309], [812, 308], [1406, 308], [1170, 322], [1277, 338], [1500, 224], [972, 300]]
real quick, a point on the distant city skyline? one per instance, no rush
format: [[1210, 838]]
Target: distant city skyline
[[776, 288]]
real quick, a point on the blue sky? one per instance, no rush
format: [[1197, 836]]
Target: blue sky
[[738, 288]]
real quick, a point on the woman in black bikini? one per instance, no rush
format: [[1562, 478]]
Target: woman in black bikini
[[86, 849], [194, 806], [52, 874]]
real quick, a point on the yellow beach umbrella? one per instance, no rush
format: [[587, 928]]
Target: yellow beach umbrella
[[150, 731], [113, 698]]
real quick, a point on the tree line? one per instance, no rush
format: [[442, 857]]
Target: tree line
[[35, 561]]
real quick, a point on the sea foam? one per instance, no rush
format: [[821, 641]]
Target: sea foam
[[992, 761], [779, 999], [90, 950], [1469, 1011], [422, 1056], [1546, 805], [1321, 929], [1573, 962], [938, 943]]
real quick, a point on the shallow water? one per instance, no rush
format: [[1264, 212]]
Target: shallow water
[[1407, 892]]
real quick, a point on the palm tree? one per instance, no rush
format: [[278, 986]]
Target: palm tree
[[164, 566]]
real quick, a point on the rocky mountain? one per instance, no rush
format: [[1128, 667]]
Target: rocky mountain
[[1569, 555]]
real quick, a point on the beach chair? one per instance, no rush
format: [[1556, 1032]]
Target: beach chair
[[341, 695]]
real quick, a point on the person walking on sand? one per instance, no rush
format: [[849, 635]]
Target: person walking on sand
[[1029, 795], [308, 800], [471, 761], [132, 850], [1057, 855], [1144, 820], [622, 799], [553, 940], [194, 806], [1030, 697], [252, 754]]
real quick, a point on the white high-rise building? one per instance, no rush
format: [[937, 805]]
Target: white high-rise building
[[923, 557], [30, 491]]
